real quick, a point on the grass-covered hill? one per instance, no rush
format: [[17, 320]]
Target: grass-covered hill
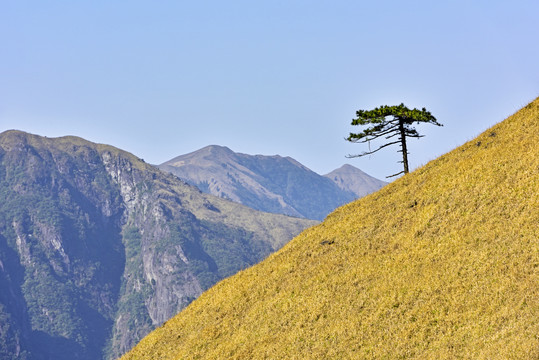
[[443, 263]]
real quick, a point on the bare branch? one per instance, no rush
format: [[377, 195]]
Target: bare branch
[[395, 134], [372, 152], [400, 172], [415, 136]]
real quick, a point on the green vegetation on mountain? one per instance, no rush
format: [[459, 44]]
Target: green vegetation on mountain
[[443, 263], [388, 122], [97, 248]]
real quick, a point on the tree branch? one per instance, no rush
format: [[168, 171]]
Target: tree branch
[[373, 133], [400, 172], [415, 136], [372, 152]]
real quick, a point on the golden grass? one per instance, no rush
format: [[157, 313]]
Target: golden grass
[[443, 263]]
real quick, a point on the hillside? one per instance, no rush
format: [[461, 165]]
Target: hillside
[[97, 248], [268, 183], [442, 263]]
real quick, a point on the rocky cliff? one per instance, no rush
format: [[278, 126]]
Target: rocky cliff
[[97, 247]]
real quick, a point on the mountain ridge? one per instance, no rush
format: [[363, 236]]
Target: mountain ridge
[[268, 183], [97, 247]]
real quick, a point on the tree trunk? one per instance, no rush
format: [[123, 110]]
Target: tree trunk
[[403, 146]]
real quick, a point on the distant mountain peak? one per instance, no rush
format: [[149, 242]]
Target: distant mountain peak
[[350, 178], [348, 167], [217, 149], [268, 183]]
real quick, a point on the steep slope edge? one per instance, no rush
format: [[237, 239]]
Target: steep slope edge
[[442, 263]]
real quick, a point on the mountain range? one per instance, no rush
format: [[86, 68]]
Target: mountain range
[[442, 263], [271, 183], [97, 248]]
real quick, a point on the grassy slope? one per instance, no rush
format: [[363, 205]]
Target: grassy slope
[[442, 263]]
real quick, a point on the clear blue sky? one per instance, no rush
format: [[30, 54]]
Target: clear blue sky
[[164, 78]]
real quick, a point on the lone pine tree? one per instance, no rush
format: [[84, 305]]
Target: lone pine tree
[[390, 121]]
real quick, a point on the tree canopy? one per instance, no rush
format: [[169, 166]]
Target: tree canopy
[[389, 122]]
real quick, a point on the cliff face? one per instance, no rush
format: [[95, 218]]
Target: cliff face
[[97, 248]]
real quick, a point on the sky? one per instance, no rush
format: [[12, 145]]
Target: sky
[[165, 78]]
